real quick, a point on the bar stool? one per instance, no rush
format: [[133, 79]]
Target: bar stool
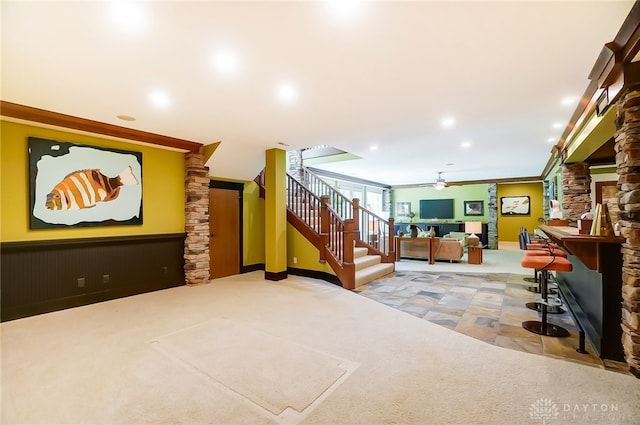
[[554, 304], [542, 252], [545, 264]]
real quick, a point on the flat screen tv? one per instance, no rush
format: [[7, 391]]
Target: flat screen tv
[[436, 208]]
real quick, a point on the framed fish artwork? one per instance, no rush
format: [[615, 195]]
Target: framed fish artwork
[[76, 185]]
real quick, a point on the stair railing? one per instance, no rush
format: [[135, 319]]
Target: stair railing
[[372, 231], [340, 203], [375, 232], [324, 228]]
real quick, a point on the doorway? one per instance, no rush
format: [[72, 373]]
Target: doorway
[[225, 228]]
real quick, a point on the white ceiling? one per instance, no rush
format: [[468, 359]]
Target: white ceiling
[[386, 75]]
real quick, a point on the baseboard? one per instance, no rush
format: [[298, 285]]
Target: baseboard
[[275, 276], [314, 274]]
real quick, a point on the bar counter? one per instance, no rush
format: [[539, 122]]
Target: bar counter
[[593, 290]]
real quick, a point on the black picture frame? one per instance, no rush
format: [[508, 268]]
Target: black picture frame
[[473, 208], [87, 176], [515, 205]]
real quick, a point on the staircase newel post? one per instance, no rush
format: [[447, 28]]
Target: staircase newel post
[[348, 247], [356, 215], [349, 240], [392, 238], [324, 226]]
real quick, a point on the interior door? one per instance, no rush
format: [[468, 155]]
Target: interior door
[[224, 232]]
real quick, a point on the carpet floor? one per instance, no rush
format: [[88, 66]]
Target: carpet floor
[[242, 350]]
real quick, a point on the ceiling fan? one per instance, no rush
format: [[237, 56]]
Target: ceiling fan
[[439, 184]]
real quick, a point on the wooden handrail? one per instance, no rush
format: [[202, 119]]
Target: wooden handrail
[[378, 233]]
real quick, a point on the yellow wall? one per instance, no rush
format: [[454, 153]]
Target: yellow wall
[[509, 225], [162, 191], [253, 226], [307, 256]]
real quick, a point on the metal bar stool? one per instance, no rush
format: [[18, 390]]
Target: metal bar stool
[[554, 304], [543, 252], [545, 264]]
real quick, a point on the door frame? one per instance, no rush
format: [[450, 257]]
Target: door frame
[[239, 187]]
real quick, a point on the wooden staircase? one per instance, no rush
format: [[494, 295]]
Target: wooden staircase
[[336, 226], [369, 267]]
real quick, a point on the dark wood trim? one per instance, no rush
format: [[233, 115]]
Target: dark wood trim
[[275, 276], [599, 186], [113, 240], [222, 184], [531, 179], [608, 71], [28, 113], [621, 50], [314, 274], [252, 268]]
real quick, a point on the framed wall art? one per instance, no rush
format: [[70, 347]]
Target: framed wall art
[[473, 208], [515, 205], [403, 209], [74, 185]]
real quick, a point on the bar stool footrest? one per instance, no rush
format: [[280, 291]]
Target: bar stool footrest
[[551, 309], [536, 327]]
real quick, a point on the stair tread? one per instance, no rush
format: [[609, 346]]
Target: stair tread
[[366, 261], [360, 252], [372, 273]]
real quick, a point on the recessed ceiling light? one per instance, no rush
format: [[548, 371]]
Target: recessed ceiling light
[[373, 148], [129, 15], [345, 10], [465, 144], [126, 117], [287, 93], [557, 125], [159, 99], [570, 100], [226, 62], [551, 139], [448, 121]]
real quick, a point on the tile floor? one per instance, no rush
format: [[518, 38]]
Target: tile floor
[[486, 306]]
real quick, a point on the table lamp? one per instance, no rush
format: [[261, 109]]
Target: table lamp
[[473, 227]]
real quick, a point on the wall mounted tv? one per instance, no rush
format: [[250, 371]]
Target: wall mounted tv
[[436, 208]]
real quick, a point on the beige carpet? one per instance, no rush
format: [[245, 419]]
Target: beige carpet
[[242, 350]]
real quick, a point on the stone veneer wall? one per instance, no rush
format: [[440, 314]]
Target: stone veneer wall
[[295, 165], [546, 198], [627, 149], [492, 211], [196, 245], [576, 191]]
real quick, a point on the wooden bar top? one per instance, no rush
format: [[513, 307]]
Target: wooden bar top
[[586, 247]]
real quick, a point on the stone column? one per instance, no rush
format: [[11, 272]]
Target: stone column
[[492, 210], [627, 149], [196, 244], [295, 164], [546, 199], [576, 191]]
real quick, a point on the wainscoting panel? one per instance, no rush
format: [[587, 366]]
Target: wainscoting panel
[[44, 276]]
